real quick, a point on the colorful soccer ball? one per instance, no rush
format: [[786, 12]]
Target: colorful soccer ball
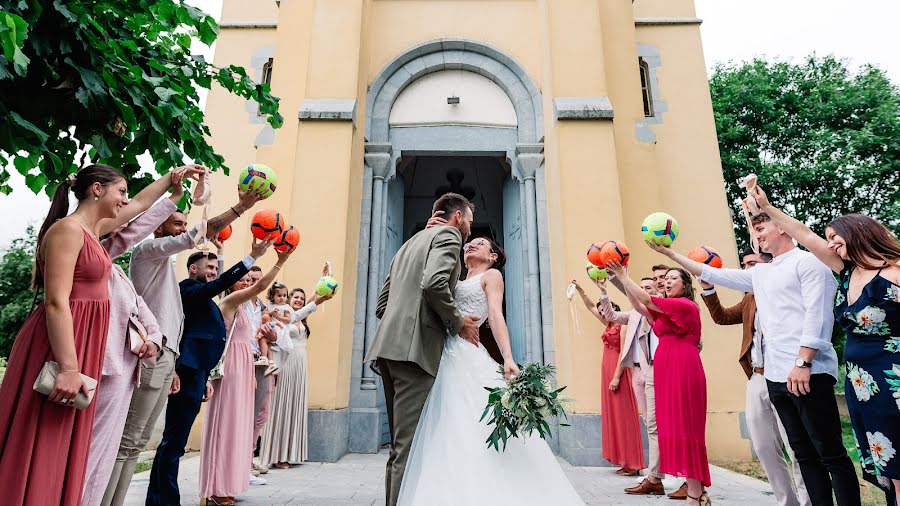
[[706, 255], [326, 286], [596, 273], [224, 234], [661, 228], [593, 254], [613, 251], [260, 178], [266, 223], [287, 240]]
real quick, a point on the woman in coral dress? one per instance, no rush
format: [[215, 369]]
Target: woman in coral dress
[[619, 425], [229, 424], [680, 382], [44, 439]]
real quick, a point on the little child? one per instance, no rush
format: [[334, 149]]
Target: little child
[[281, 315]]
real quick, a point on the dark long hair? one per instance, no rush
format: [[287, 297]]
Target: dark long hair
[[59, 206], [497, 250], [867, 238], [290, 295], [686, 280]]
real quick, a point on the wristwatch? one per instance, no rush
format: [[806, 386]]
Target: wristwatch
[[802, 363]]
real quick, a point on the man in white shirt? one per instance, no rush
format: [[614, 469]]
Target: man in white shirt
[[767, 435], [795, 296]]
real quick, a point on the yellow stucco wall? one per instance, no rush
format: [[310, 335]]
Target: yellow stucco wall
[[600, 180]]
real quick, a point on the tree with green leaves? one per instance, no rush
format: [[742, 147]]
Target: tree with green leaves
[[16, 296], [824, 141], [107, 81]]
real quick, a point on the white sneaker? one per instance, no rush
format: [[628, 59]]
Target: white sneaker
[[256, 480]]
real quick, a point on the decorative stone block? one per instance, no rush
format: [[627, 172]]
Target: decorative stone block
[[332, 109], [329, 434], [584, 108]]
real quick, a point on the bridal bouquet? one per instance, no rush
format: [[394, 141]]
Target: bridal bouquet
[[523, 405]]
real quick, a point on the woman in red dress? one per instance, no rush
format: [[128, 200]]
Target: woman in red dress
[[44, 439], [680, 382], [619, 425]]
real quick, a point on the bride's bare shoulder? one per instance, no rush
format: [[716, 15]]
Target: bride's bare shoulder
[[491, 276]]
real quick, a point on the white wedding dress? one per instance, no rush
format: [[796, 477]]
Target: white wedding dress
[[449, 462]]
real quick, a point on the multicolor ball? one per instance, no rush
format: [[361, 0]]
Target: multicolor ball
[[614, 251], [593, 254], [224, 234], [596, 273], [260, 178], [661, 228], [287, 240], [327, 286], [266, 224], [706, 255]]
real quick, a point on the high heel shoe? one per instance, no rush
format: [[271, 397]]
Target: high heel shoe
[[220, 501]]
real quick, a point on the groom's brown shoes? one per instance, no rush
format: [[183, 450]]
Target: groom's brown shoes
[[647, 487]]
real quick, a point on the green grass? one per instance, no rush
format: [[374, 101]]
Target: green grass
[[143, 466], [870, 494]]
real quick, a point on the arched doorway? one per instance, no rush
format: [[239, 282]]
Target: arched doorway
[[451, 115]]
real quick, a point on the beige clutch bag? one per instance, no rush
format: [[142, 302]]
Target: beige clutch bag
[[46, 380]]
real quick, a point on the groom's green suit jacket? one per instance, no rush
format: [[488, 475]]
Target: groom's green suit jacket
[[416, 306]]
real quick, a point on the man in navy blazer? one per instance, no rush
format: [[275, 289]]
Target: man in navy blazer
[[202, 344]]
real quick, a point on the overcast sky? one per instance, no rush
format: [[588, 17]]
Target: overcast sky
[[862, 31]]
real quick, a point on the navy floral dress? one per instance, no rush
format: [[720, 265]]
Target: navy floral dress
[[872, 387]]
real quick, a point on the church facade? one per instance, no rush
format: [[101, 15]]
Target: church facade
[[565, 123]]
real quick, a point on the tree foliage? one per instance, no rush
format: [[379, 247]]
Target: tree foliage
[[108, 80], [823, 140], [15, 294]]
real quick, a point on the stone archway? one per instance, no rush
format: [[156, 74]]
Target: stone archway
[[524, 153]]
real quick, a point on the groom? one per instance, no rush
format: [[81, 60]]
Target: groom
[[417, 312]]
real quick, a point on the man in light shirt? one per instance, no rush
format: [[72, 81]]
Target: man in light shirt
[[766, 433], [153, 274], [794, 296]]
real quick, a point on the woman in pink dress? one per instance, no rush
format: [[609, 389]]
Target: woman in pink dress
[[680, 382], [620, 427], [229, 424], [44, 439]]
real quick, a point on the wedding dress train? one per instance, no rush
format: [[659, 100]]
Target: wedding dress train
[[449, 461]]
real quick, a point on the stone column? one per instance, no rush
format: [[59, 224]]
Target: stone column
[[378, 158], [530, 157]]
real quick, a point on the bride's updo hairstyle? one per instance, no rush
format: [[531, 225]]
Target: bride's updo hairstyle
[[497, 250]]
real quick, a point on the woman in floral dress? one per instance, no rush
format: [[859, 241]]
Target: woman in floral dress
[[866, 256]]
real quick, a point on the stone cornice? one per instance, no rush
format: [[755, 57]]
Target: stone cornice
[[248, 25], [666, 21], [581, 108], [329, 109]]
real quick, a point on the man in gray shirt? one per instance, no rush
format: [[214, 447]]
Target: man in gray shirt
[[154, 278]]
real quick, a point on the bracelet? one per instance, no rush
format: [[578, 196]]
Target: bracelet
[[69, 370], [235, 212], [276, 266]]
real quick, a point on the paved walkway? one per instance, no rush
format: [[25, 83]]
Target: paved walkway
[[359, 480]]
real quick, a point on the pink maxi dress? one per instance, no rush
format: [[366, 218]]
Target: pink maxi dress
[[680, 388], [228, 428], [619, 426]]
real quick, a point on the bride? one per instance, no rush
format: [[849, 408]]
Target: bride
[[449, 461]]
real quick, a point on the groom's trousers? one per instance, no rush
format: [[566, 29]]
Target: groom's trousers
[[406, 387]]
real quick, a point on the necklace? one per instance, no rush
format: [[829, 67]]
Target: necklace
[[87, 227]]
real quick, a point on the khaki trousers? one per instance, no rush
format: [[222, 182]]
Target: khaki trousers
[[650, 422], [768, 438], [147, 403], [406, 388]]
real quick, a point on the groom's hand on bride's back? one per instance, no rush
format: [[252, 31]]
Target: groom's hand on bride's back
[[469, 332], [436, 220]]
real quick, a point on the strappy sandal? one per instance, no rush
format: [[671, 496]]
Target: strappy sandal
[[703, 500], [628, 472], [220, 501]]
